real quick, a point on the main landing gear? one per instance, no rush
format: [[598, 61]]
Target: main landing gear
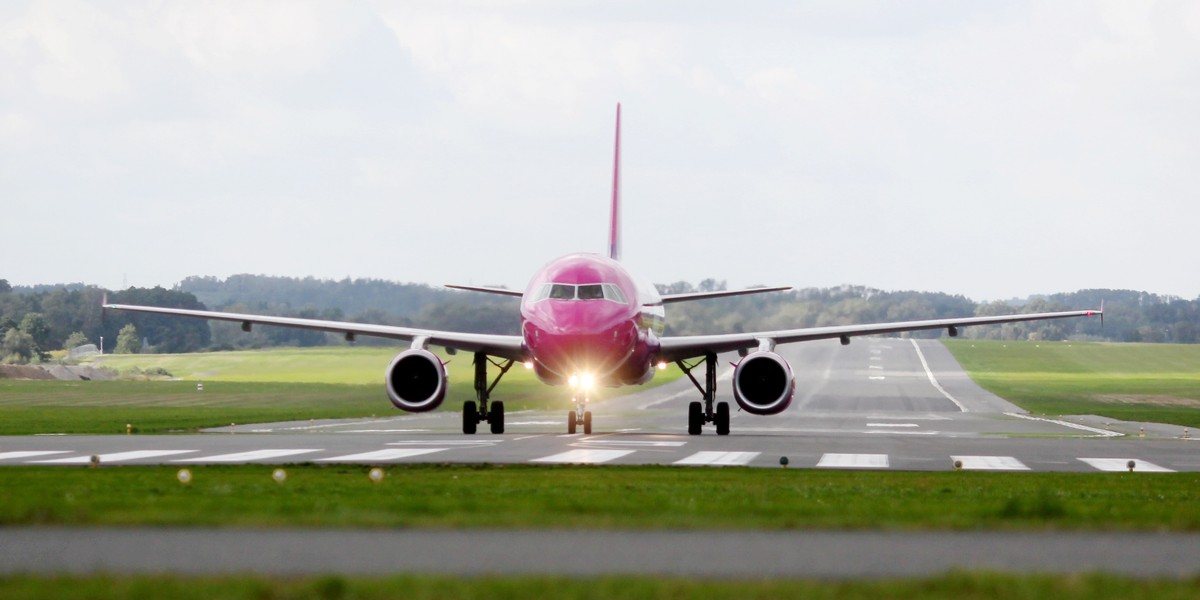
[[701, 413], [580, 415], [492, 415]]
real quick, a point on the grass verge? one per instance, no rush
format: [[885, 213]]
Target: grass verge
[[1130, 382], [610, 497], [953, 585]]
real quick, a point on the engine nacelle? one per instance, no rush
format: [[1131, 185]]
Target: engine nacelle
[[763, 383], [416, 381]]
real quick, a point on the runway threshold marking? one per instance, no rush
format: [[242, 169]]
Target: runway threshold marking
[[584, 456], [853, 461], [249, 456], [29, 453], [719, 459], [111, 457], [487, 442], [1122, 464], [388, 454], [990, 463]]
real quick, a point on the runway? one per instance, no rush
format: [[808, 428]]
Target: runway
[[879, 403]]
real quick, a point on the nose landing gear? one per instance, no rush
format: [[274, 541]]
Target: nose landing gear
[[579, 416]]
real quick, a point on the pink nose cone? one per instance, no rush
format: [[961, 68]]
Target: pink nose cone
[[598, 353]]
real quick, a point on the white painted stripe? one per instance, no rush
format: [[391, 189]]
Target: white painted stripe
[[1098, 432], [111, 457], [29, 453], [989, 463], [892, 425], [933, 380], [853, 461], [388, 454], [1122, 464], [249, 456], [486, 442], [632, 443], [719, 458], [584, 456], [876, 378]]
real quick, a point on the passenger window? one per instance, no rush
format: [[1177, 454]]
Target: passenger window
[[591, 292], [562, 291]]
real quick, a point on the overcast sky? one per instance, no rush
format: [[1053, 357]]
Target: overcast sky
[[992, 149]]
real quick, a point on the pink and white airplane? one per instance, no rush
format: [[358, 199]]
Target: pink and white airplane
[[586, 323]]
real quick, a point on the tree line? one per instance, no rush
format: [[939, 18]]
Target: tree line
[[36, 320]]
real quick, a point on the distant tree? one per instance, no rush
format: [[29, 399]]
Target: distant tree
[[4, 286], [17, 347], [128, 341], [75, 340], [35, 325]]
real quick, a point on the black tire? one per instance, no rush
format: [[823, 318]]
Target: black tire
[[722, 418], [571, 422], [587, 422], [470, 417], [496, 417], [695, 418]]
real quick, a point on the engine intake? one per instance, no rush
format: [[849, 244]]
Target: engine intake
[[763, 383], [416, 381]]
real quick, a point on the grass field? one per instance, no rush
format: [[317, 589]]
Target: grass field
[[1129, 382], [610, 497], [951, 586], [249, 387]]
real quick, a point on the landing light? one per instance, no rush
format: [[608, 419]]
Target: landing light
[[529, 364], [582, 381], [662, 364]]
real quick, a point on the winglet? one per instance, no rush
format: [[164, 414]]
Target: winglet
[[614, 222]]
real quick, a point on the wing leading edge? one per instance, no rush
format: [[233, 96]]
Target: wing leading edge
[[683, 347], [504, 346]]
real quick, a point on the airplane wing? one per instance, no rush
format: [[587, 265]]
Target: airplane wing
[[487, 290], [504, 346], [721, 294], [691, 346]]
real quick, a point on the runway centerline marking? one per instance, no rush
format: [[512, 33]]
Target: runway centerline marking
[[387, 454], [853, 461], [1122, 464], [990, 463], [722, 459], [112, 457], [30, 453], [933, 380], [892, 425], [249, 456], [584, 456]]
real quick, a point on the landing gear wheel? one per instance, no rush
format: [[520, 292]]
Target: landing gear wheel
[[587, 422], [496, 417], [695, 418], [722, 418], [571, 422], [470, 417]]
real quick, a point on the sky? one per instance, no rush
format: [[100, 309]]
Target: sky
[[990, 149]]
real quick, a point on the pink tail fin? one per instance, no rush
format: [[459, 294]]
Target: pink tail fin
[[614, 223]]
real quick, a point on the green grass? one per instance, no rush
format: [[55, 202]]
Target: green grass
[[950, 586], [611, 497], [1129, 382], [249, 387]]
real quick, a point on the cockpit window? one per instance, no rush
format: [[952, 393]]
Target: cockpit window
[[591, 292], [588, 291], [562, 291]]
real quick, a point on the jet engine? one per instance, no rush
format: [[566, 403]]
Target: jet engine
[[763, 383], [416, 381]]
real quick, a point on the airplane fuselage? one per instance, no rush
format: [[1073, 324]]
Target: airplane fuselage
[[586, 320]]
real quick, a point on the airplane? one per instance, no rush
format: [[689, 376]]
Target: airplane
[[586, 322]]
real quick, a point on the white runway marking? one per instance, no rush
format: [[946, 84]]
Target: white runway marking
[[1122, 464], [111, 457], [29, 453], [853, 461], [446, 442], [584, 456], [646, 443], [249, 456], [1098, 432], [990, 463], [723, 459], [688, 392], [876, 378], [892, 425], [389, 454], [933, 380]]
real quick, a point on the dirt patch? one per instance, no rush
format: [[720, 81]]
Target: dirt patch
[[23, 372], [59, 372], [1148, 399]]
